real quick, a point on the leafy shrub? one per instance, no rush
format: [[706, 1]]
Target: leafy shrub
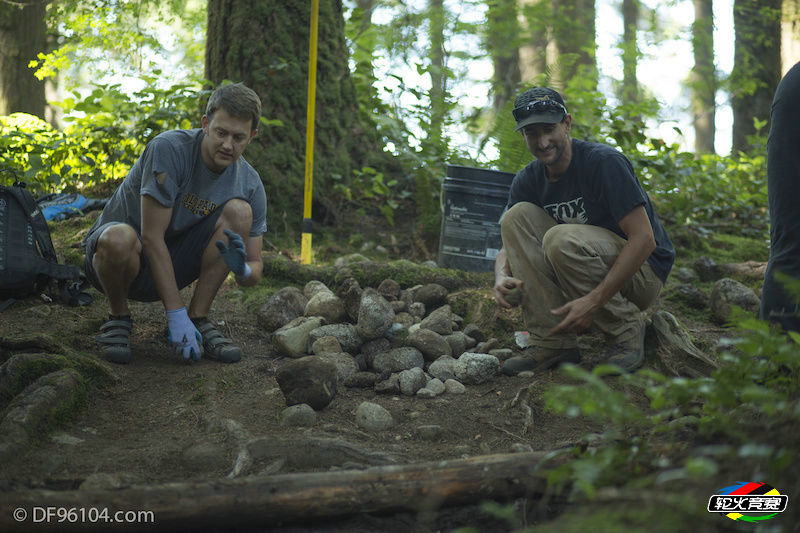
[[104, 134]]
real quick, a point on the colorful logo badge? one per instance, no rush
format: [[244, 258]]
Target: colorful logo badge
[[748, 501]]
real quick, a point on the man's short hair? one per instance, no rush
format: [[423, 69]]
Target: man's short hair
[[238, 100]]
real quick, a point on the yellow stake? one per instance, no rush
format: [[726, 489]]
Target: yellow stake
[[305, 246]]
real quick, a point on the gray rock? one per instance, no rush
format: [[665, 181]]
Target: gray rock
[[361, 380], [327, 305], [326, 344], [314, 287], [431, 344], [707, 269], [435, 387], [439, 321], [458, 341], [727, 293], [452, 386], [346, 334], [350, 259], [417, 311], [430, 432], [432, 295], [375, 315], [475, 368], [398, 359], [501, 353], [309, 380], [293, 339], [692, 296], [372, 417], [471, 330], [281, 308], [389, 289], [412, 380], [300, 415], [443, 368], [404, 319], [685, 275], [390, 385], [345, 363], [206, 457], [398, 306]]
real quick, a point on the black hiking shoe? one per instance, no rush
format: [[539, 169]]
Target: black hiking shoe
[[115, 339], [540, 358], [628, 356], [215, 346]]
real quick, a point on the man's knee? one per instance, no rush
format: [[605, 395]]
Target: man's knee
[[236, 215], [117, 244], [561, 239]]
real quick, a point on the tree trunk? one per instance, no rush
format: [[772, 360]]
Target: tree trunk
[[502, 35], [702, 79], [536, 36], [790, 32], [757, 66], [301, 498], [435, 143], [265, 44], [22, 37], [630, 51], [573, 26]]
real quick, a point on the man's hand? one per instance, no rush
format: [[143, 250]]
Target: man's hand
[[235, 255], [503, 286], [183, 336], [580, 315]]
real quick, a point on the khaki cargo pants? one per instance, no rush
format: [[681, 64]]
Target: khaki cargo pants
[[560, 262]]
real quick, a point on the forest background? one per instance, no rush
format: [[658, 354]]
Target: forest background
[[98, 79]]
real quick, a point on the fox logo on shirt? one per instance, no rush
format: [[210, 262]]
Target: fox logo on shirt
[[572, 212]]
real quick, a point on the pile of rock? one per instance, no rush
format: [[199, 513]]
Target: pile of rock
[[392, 340]]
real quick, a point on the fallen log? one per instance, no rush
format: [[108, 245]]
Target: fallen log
[[269, 501]]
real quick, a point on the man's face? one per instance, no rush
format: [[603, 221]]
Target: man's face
[[547, 142], [225, 139]]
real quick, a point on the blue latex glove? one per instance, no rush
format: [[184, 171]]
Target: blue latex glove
[[183, 336], [235, 255]]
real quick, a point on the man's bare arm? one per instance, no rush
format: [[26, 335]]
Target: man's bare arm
[[155, 219]]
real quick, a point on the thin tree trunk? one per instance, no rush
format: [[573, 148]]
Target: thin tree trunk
[[702, 82], [630, 50], [502, 37], [22, 37], [575, 43], [435, 140], [757, 66], [536, 35]]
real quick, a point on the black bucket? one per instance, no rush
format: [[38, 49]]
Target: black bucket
[[473, 199]]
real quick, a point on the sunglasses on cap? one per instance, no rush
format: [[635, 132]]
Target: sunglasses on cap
[[538, 106]]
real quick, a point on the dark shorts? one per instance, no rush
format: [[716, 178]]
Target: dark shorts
[[186, 250]]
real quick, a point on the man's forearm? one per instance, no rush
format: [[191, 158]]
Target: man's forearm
[[501, 266], [163, 273]]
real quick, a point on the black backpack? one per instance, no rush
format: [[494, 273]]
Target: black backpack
[[28, 261]]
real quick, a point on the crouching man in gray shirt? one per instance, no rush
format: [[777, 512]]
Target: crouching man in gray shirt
[[191, 208]]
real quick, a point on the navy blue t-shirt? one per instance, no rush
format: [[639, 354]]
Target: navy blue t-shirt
[[599, 188]]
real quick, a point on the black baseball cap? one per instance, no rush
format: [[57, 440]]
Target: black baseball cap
[[539, 105]]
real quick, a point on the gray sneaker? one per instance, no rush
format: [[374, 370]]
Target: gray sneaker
[[540, 358], [628, 356]]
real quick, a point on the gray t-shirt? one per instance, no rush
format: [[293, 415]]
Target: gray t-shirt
[[188, 186]]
